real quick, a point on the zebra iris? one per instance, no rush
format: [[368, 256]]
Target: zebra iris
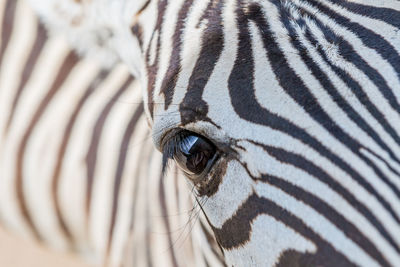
[[193, 154]]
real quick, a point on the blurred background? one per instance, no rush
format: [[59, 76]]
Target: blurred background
[[16, 252]]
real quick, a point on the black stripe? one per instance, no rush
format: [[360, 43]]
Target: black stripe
[[215, 247], [7, 25], [41, 38], [177, 175], [91, 156], [137, 31], [389, 15], [193, 107], [144, 150], [254, 206], [174, 68], [123, 151], [136, 28], [152, 70], [143, 7], [164, 212], [147, 220], [385, 162]]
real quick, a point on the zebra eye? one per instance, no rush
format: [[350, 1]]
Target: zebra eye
[[193, 153]]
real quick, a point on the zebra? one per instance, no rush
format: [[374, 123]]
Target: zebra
[[283, 114], [76, 183]]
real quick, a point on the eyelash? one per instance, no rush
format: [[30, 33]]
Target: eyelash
[[169, 149]]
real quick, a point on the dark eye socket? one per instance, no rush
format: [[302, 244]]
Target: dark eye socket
[[193, 153]]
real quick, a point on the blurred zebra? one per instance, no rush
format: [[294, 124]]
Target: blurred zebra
[[77, 167]]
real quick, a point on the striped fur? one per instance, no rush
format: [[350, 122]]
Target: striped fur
[[299, 97], [78, 171]]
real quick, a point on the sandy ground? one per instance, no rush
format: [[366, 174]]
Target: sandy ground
[[15, 252]]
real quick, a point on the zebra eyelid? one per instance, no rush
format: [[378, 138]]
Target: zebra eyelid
[[168, 136]]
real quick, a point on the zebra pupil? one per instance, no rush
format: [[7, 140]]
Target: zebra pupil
[[193, 154]]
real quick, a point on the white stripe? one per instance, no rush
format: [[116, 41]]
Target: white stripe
[[381, 4]]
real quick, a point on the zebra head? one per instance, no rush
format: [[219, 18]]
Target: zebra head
[[284, 116]]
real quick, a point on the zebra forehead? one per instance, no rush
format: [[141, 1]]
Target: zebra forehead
[[219, 22]]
